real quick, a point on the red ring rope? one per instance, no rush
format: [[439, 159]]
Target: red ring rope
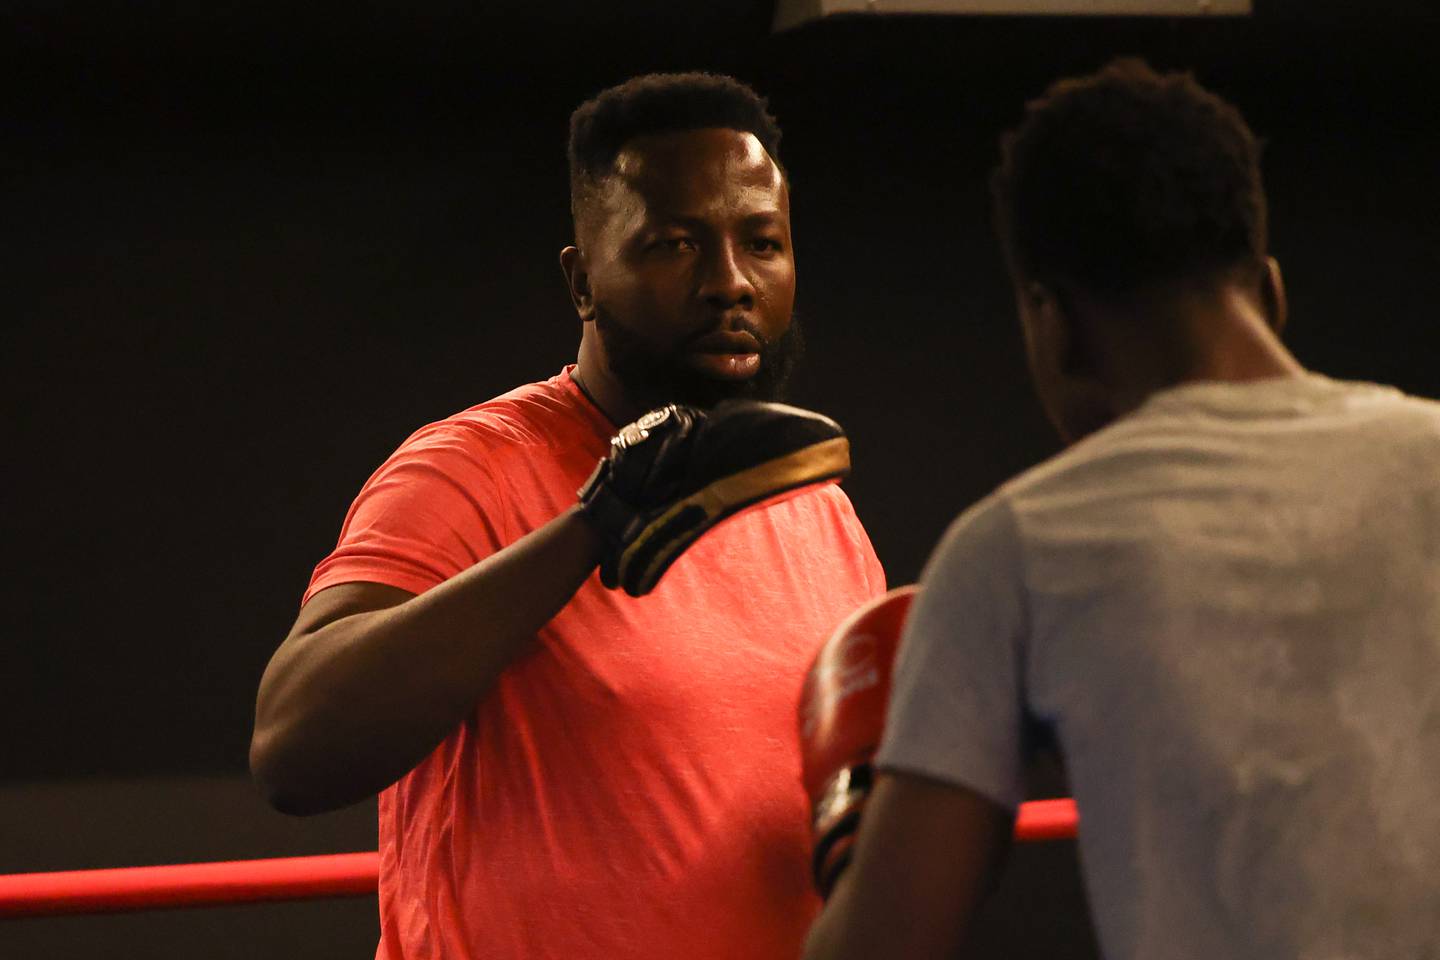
[[1046, 820], [298, 878], [188, 885]]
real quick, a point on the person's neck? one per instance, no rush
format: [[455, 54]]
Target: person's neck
[[601, 388], [1220, 337]]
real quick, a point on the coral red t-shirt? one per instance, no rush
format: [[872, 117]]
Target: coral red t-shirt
[[632, 788]]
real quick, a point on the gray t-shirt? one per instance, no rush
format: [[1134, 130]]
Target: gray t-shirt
[[1226, 607]]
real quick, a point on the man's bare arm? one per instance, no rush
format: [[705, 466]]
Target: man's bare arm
[[372, 678], [925, 857]]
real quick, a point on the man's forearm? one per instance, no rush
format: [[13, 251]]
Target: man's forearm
[[347, 707], [926, 855]]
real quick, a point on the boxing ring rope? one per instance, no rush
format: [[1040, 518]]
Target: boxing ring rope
[[1040, 820], [188, 885], [298, 878]]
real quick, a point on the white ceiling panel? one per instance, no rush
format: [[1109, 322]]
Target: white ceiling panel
[[793, 13]]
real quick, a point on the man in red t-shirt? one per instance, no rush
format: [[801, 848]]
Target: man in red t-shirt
[[566, 771]]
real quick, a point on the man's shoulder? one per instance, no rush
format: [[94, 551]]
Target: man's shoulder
[[985, 530], [1171, 427], [1408, 409], [544, 414], [825, 504], [1065, 469]]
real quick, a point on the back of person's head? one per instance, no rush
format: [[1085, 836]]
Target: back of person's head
[[653, 104], [1129, 181]]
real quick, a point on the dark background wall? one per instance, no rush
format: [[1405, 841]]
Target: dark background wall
[[246, 250]]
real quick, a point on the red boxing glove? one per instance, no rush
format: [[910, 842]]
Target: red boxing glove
[[842, 715]]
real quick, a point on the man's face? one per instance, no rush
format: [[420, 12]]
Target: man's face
[[691, 270]]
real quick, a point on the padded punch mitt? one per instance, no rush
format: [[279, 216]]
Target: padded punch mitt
[[678, 471]]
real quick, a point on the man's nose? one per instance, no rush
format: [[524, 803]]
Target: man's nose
[[725, 283]]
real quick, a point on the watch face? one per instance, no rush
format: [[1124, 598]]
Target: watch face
[[637, 432]]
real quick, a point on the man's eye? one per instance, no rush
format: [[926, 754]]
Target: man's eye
[[765, 245], [677, 243]]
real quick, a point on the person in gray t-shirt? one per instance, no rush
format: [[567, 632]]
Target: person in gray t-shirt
[[1223, 599]]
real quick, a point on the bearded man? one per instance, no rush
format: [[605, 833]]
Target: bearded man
[[565, 770]]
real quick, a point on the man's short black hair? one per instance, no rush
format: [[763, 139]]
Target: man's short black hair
[[1129, 179], [659, 103]]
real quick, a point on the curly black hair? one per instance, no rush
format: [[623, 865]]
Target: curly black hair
[[659, 103], [1126, 180]]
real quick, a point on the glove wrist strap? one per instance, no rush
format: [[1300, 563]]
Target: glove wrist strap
[[606, 512]]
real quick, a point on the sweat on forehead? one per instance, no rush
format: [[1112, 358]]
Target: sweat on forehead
[[667, 154], [684, 173], [654, 104]]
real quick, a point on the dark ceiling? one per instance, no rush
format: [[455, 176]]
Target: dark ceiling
[[404, 57]]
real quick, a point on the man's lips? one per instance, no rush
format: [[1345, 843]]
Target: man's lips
[[726, 355], [726, 341], [725, 366]]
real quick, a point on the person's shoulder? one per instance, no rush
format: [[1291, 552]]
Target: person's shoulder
[[1061, 485], [981, 547], [1381, 412], [544, 414], [831, 496], [825, 502], [1423, 412], [1172, 429], [1064, 468], [1160, 428], [990, 519]]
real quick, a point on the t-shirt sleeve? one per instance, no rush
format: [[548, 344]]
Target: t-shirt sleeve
[[861, 547], [957, 708], [428, 512]]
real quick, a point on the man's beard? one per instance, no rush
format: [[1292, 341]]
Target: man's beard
[[653, 377]]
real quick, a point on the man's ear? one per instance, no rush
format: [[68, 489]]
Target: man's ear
[[1050, 329], [1272, 295], [1063, 363], [1073, 314], [577, 281]]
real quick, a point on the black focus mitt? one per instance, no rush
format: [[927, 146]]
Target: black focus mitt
[[677, 471]]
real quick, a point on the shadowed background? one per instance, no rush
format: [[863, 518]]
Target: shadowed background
[[247, 250]]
